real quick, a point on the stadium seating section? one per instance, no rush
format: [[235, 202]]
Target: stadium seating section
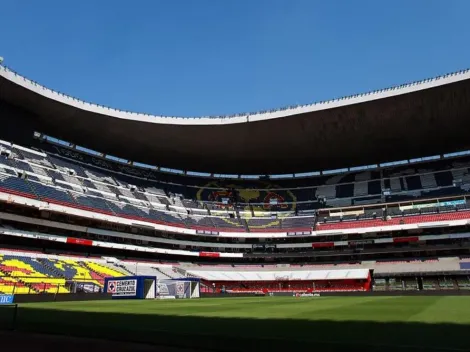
[[291, 286], [38, 273], [71, 178], [21, 274]]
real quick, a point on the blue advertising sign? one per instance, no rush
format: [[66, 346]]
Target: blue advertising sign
[[6, 299], [452, 203]]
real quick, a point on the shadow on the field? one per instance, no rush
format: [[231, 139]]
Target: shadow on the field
[[234, 334]]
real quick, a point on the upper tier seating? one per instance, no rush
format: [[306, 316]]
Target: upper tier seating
[[75, 179], [299, 222], [265, 223], [14, 185], [400, 180], [34, 158], [228, 224], [51, 193], [5, 169], [400, 220], [66, 166]]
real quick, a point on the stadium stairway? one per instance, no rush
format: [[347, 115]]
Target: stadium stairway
[[245, 223], [168, 273], [95, 276], [48, 265], [163, 275], [123, 268], [63, 269]]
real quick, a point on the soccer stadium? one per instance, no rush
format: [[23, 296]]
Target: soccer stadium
[[340, 224]]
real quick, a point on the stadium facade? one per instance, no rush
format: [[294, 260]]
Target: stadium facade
[[371, 188]]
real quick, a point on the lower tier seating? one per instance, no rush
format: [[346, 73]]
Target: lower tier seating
[[20, 274]]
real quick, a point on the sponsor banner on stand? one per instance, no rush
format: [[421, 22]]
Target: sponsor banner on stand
[[81, 241], [209, 254], [360, 242], [346, 213], [452, 203], [405, 239], [172, 289], [207, 232], [306, 295], [119, 288], [323, 244], [6, 299], [299, 233]]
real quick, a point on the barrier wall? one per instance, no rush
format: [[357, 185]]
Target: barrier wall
[[178, 288], [401, 293], [230, 295], [69, 297], [346, 294], [131, 287]]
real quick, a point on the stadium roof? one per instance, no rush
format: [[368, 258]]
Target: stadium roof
[[414, 120]]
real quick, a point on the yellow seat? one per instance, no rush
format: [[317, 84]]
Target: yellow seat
[[104, 270], [9, 285], [85, 271]]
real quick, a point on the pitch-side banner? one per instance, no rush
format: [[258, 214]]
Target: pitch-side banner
[[6, 299], [173, 289], [120, 288]]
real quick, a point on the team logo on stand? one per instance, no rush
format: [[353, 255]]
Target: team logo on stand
[[263, 196], [111, 287], [180, 288]]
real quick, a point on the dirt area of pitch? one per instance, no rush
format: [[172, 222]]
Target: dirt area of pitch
[[23, 341]]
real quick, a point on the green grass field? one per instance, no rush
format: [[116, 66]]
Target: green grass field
[[266, 323]]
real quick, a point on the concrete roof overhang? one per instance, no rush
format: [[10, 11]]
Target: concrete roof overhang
[[420, 119]]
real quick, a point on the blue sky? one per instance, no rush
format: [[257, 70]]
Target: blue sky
[[217, 57]]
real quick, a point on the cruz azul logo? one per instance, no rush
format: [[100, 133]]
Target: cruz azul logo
[[111, 287], [180, 288]]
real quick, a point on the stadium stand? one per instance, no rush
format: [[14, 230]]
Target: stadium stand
[[423, 191], [73, 182], [31, 273], [26, 273], [36, 273], [402, 225]]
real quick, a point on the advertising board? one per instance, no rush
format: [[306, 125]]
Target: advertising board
[[6, 299], [119, 288]]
